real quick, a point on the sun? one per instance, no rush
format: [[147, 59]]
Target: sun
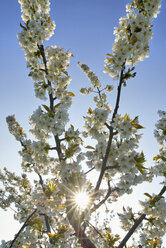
[[81, 199]]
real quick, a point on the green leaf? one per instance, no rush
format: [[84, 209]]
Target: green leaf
[[110, 55], [141, 168], [71, 94], [126, 117], [30, 74], [46, 108], [137, 126], [156, 158], [72, 127], [135, 119], [148, 195], [60, 207], [124, 209], [90, 147], [57, 105], [66, 73], [49, 20], [90, 111]]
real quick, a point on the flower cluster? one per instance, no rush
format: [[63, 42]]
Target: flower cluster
[[160, 132], [160, 166], [125, 164], [154, 229], [127, 218], [36, 153], [14, 128], [44, 124], [38, 25], [95, 83], [132, 36]]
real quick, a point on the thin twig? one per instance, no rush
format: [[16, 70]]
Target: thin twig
[[45, 216], [41, 181], [95, 229], [118, 95], [109, 192], [52, 148], [22, 228], [89, 170], [111, 167]]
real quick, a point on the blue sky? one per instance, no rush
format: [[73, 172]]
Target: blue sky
[[85, 27]]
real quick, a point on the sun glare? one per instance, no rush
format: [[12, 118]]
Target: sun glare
[[81, 200]]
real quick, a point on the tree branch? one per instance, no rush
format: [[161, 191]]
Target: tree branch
[[51, 98], [22, 228], [95, 229], [110, 135], [137, 223], [104, 161], [75, 223], [96, 206], [132, 230], [41, 49], [118, 95], [89, 170], [45, 216]]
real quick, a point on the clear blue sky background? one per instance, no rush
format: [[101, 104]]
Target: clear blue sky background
[[86, 27]]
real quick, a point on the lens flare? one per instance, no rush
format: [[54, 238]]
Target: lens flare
[[81, 200]]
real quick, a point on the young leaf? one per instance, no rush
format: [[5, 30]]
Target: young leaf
[[50, 235], [148, 195], [90, 147], [124, 209], [46, 108], [72, 127], [49, 20], [71, 94], [137, 126], [110, 55], [126, 117], [90, 111], [60, 207], [57, 105]]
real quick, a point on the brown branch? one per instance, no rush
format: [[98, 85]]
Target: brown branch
[[89, 170], [132, 230], [111, 167], [22, 228], [118, 95], [45, 216], [51, 98], [42, 52], [41, 182], [75, 223], [137, 223], [105, 159], [58, 148], [52, 148], [95, 229], [109, 192], [108, 126], [47, 223], [162, 191]]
